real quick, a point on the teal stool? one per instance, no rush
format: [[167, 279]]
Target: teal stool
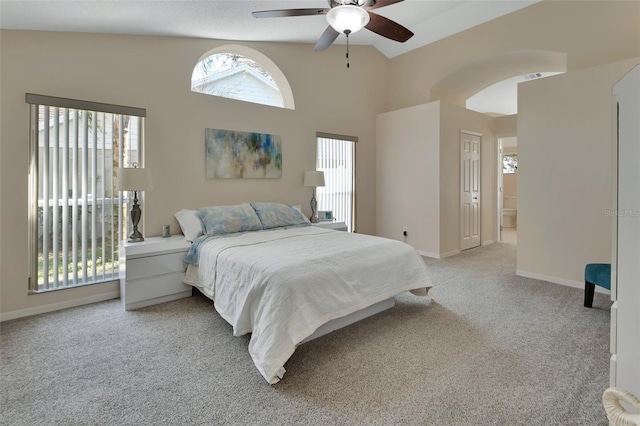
[[595, 274]]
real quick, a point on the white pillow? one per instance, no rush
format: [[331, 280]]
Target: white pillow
[[190, 223]]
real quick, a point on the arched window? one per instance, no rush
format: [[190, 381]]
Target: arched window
[[241, 73]]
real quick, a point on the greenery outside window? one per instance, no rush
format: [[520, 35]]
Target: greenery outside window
[[240, 73], [509, 163], [77, 217]]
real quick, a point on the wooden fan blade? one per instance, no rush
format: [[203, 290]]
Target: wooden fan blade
[[326, 39], [288, 12], [382, 3], [388, 28]]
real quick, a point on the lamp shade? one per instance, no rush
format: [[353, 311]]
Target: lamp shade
[[313, 178], [134, 179], [348, 17]]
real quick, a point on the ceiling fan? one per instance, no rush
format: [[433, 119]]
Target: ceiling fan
[[347, 17]]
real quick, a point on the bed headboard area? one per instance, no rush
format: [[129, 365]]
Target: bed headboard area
[[254, 216]]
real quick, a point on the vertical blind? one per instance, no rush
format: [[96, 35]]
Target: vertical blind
[[77, 216], [336, 158]]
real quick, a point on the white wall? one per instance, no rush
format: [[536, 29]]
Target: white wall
[[155, 73], [564, 172], [408, 176], [453, 121], [506, 125], [625, 369], [418, 164], [588, 32]]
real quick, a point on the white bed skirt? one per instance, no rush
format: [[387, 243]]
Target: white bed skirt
[[191, 278]]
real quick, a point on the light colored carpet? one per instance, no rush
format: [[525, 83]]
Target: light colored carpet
[[489, 349]]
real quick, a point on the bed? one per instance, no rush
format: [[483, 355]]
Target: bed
[[282, 280]]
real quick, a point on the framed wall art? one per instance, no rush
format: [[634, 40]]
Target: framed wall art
[[231, 154]]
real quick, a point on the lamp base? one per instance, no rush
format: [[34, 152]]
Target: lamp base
[[136, 236], [133, 238], [314, 208], [136, 214]]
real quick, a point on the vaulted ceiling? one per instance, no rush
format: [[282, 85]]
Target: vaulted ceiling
[[429, 20]]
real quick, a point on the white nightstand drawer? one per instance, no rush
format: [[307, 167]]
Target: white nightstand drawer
[[150, 288], [152, 266]]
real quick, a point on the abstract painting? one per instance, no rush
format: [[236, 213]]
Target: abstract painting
[[231, 154]]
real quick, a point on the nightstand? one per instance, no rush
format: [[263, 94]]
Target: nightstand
[[153, 271], [336, 226]]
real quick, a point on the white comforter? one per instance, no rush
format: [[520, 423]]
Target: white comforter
[[281, 285]]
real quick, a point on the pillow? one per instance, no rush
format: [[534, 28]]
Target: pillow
[[274, 215], [229, 219], [190, 223]]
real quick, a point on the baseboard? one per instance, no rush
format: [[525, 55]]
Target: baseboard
[[6, 316], [158, 300], [556, 280], [613, 370], [429, 254], [613, 336], [452, 252], [449, 253], [438, 255]]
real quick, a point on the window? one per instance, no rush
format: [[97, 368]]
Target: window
[[509, 163], [77, 216], [240, 73], [336, 158]]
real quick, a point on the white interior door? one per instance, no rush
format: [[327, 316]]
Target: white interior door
[[469, 190]]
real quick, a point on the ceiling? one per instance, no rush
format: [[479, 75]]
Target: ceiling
[[502, 98], [430, 20]]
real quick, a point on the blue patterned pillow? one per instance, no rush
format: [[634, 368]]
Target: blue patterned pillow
[[228, 219], [274, 215]]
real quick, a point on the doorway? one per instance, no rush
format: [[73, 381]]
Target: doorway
[[507, 189]]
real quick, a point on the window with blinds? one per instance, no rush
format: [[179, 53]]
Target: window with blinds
[[76, 215], [336, 158]]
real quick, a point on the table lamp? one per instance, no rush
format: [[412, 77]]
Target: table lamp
[[134, 179], [314, 179]]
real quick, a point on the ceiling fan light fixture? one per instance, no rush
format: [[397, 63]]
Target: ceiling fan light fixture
[[347, 18]]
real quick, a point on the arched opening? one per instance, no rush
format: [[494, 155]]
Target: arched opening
[[476, 76]]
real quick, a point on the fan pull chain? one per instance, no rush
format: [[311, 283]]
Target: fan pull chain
[[347, 32]]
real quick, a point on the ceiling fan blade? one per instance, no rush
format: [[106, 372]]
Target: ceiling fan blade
[[288, 12], [388, 28], [326, 39], [382, 3]]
